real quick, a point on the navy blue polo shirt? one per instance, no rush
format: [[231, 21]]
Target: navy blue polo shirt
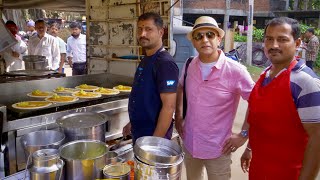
[[155, 74]]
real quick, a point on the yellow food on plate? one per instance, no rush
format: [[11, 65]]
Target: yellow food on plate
[[61, 89], [84, 94], [39, 93], [31, 104], [107, 91], [61, 99], [123, 88], [87, 87]]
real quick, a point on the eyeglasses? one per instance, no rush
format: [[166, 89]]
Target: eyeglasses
[[199, 36]]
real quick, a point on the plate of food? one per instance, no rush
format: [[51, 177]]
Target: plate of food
[[27, 105], [107, 91], [61, 89], [123, 88], [61, 99], [40, 94], [86, 87], [84, 94]]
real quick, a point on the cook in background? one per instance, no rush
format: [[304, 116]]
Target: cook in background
[[13, 55], [312, 47], [214, 85], [153, 96], [283, 113], [76, 50], [44, 44], [54, 31]]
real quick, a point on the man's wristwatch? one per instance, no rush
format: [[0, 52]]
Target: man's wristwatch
[[244, 133]]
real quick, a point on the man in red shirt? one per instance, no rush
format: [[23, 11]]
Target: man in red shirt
[[283, 113]]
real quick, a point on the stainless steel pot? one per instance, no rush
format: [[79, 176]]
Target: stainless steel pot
[[46, 165], [44, 139], [35, 62], [84, 159], [119, 171], [157, 158], [85, 125]]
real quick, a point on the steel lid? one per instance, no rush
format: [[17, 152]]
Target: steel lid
[[81, 120], [155, 150], [46, 154]]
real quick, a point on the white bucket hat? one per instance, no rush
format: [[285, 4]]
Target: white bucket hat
[[205, 22]]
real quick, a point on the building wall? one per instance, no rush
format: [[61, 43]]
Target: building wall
[[238, 7]]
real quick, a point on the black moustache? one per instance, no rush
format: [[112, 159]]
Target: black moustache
[[144, 39], [274, 50]]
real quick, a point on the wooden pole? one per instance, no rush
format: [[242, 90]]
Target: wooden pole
[[225, 26], [249, 33]]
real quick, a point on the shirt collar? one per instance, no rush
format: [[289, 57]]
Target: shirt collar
[[80, 36], [221, 60]]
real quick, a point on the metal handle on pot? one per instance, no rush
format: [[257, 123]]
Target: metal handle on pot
[[122, 160], [28, 161], [61, 169]]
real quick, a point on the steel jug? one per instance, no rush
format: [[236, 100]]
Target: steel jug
[[46, 165]]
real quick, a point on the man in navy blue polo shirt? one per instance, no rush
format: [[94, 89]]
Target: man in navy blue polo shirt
[[153, 96]]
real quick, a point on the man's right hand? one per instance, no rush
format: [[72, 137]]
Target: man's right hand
[[126, 130], [179, 122], [245, 160]]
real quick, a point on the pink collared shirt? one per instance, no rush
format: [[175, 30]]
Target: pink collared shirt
[[212, 105]]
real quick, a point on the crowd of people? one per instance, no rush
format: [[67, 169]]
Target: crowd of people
[[282, 124], [42, 39]]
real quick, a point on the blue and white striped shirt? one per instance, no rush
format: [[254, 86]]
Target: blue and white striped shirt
[[305, 90]]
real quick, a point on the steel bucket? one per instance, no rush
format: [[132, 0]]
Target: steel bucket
[[84, 159], [85, 125], [35, 62], [44, 139], [157, 158]]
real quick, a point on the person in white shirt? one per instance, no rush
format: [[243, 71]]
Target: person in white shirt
[[54, 30], [31, 29], [76, 50], [44, 44], [13, 55]]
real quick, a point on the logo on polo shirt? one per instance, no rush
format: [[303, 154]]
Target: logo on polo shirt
[[170, 82]]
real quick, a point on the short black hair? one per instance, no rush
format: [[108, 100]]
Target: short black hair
[[10, 22], [75, 25], [40, 21], [295, 27], [54, 24], [152, 15], [311, 30]]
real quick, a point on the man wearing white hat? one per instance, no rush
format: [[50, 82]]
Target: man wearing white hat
[[213, 86], [31, 31]]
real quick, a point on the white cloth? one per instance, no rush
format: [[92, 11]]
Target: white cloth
[[47, 46], [62, 47], [76, 48], [206, 69], [15, 63]]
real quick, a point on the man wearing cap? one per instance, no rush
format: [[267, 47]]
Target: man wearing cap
[[31, 31], [13, 55], [43, 44], [213, 85]]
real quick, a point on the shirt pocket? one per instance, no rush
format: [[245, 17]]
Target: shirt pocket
[[83, 48], [46, 50]]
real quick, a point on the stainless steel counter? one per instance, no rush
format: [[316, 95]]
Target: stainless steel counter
[[18, 123]]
